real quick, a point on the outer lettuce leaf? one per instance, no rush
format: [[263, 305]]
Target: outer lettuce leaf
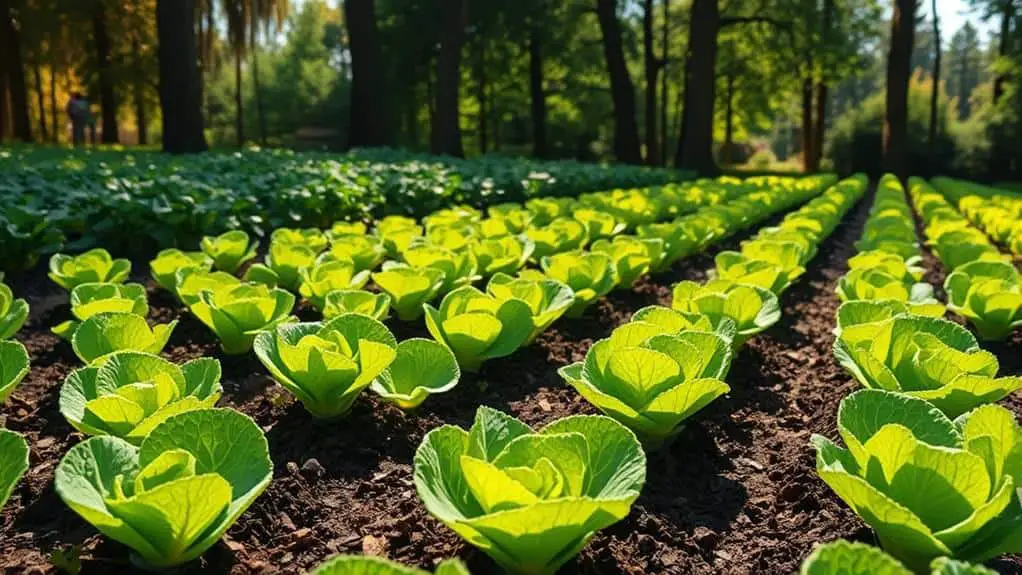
[[230, 250], [13, 462], [13, 313], [107, 333], [93, 266]]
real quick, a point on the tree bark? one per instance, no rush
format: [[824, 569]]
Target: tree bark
[[820, 126], [652, 69], [54, 111], [257, 89], [729, 119], [107, 92], [665, 59], [807, 124], [180, 94], [934, 90], [898, 72], [40, 98], [480, 74], [445, 137], [11, 61], [1004, 45], [369, 120], [537, 93], [239, 100], [626, 131], [695, 147]]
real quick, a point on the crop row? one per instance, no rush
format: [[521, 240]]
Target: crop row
[[930, 462], [996, 212]]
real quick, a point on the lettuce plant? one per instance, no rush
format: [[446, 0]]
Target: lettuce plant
[[878, 283], [14, 367], [478, 327], [421, 367], [93, 266], [598, 224], [506, 254], [110, 332], [323, 278], [989, 295], [396, 233], [236, 314], [312, 238], [167, 263], [516, 219], [678, 241], [459, 268], [347, 229], [132, 392], [340, 302], [369, 565], [13, 312], [546, 210], [287, 261], [90, 299], [752, 308], [651, 381], [631, 257], [13, 462], [589, 275], [366, 252], [174, 496], [844, 558], [672, 321], [547, 299], [769, 264], [230, 250], [928, 358], [531, 500], [560, 235], [409, 288], [327, 365], [454, 237], [192, 282], [929, 487]]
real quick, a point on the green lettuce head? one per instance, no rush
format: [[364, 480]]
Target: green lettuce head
[[106, 333], [590, 275], [94, 266], [459, 268], [478, 327], [236, 314], [561, 235], [989, 295], [369, 565], [598, 224], [347, 229], [340, 302], [408, 288], [505, 254], [323, 278], [547, 299], [312, 238], [366, 252], [88, 300], [175, 496], [752, 308], [13, 462], [167, 263], [631, 257], [878, 284], [396, 233], [421, 367], [230, 250], [13, 312], [844, 558], [531, 500], [932, 359], [287, 261], [327, 365], [678, 241], [650, 379], [132, 392], [930, 487], [14, 367], [769, 264], [192, 282]]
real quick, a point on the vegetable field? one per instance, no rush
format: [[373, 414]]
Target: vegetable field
[[254, 363]]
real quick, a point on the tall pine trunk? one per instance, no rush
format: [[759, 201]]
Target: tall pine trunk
[[729, 119], [899, 58], [807, 124], [107, 91], [537, 93], [622, 91], [935, 89], [369, 120], [180, 93], [54, 111], [820, 125], [665, 59], [480, 74], [445, 137], [239, 100], [40, 98], [652, 68], [695, 146], [11, 62]]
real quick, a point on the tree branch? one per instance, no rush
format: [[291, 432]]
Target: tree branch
[[732, 20]]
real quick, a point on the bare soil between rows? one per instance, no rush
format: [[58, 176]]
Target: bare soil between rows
[[737, 493]]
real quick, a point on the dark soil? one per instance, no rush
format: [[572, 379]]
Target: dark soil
[[737, 493]]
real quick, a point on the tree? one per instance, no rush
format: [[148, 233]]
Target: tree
[[537, 91], [237, 13], [12, 69], [445, 137], [899, 72], [932, 139], [652, 67], [367, 87], [180, 95], [107, 92], [695, 144], [963, 67], [626, 131]]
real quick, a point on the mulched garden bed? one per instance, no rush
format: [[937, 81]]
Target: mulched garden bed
[[737, 493]]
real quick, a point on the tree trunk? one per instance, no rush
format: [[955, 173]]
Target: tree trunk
[[369, 123], [40, 98], [652, 69], [10, 60], [480, 74], [180, 94], [107, 92], [201, 39], [1004, 45], [239, 101], [257, 88], [963, 96], [898, 72], [807, 123], [54, 112], [820, 126], [626, 131], [663, 83], [695, 147], [446, 130], [934, 90], [537, 94], [999, 160], [729, 119]]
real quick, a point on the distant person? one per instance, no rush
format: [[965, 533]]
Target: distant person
[[78, 113]]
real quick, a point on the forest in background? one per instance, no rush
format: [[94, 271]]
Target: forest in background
[[766, 84]]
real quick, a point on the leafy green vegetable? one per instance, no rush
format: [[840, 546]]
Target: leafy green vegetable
[[175, 496], [288, 260], [506, 254], [230, 250], [13, 312], [132, 392], [478, 327], [598, 224], [459, 268], [347, 229], [888, 279], [769, 264], [93, 266], [237, 313], [396, 233], [752, 308], [110, 332], [561, 235], [13, 462], [340, 302], [323, 278], [90, 299], [589, 275], [167, 263], [933, 359], [930, 487], [327, 365], [421, 367], [844, 558], [530, 500], [989, 295], [678, 238], [366, 252], [631, 257], [547, 299], [652, 379], [368, 565], [409, 288], [311, 238], [14, 367], [192, 282]]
